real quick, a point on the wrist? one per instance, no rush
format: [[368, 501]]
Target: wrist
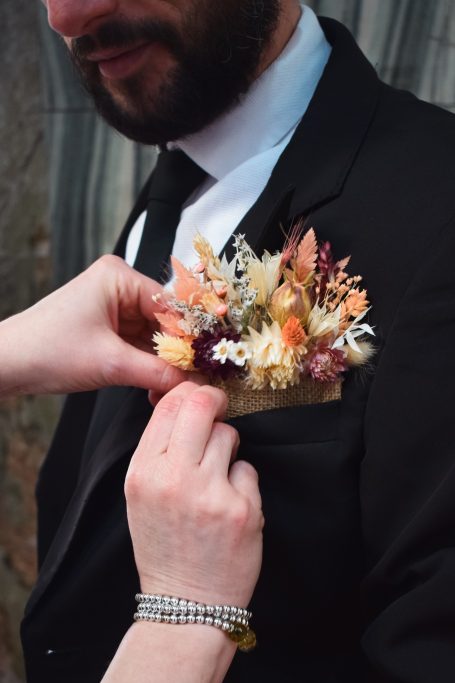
[[209, 640], [189, 654], [17, 360], [196, 647]]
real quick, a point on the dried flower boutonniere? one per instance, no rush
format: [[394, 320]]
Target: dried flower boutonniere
[[293, 319]]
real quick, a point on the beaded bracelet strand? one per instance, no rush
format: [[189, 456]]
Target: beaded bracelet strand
[[234, 621]]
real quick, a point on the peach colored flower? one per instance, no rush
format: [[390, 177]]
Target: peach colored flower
[[355, 303], [170, 323], [186, 286]]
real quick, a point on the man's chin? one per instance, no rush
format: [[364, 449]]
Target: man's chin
[[171, 108], [148, 132]]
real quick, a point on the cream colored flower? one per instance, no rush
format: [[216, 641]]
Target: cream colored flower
[[264, 276], [272, 362], [267, 346], [321, 321], [175, 350], [276, 377]]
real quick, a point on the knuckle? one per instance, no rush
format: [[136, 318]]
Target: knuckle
[[207, 399], [248, 469], [162, 487], [225, 434], [169, 406], [107, 262], [208, 504], [168, 378], [134, 485], [200, 402], [240, 514], [113, 366]]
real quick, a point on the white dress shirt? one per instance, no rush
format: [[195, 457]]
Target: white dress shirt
[[241, 148]]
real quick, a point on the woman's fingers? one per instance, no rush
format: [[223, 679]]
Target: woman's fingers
[[127, 365], [221, 450], [182, 423], [194, 424], [195, 378], [157, 435]]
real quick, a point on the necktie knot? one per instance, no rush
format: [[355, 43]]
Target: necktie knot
[[175, 178]]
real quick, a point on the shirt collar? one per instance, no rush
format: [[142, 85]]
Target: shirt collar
[[271, 108]]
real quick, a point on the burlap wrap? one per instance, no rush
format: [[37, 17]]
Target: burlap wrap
[[243, 401]]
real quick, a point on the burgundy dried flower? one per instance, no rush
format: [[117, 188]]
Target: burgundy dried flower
[[203, 357], [325, 364], [327, 266], [326, 263]]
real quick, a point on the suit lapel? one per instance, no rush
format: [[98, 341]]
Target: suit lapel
[[310, 172], [315, 165]]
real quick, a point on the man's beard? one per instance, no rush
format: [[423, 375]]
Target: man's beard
[[217, 52]]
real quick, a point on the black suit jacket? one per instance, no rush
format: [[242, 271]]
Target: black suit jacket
[[358, 580]]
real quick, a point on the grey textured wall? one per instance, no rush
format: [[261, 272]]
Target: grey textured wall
[[25, 274], [67, 183]]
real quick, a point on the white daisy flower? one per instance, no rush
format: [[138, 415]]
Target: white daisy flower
[[220, 352], [239, 353]]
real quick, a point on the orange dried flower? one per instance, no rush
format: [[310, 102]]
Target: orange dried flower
[[293, 333]]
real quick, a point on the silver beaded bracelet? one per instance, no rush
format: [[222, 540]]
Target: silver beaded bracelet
[[234, 621]]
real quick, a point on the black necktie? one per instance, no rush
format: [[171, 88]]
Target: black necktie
[[174, 179]]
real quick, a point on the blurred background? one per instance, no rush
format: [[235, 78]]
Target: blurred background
[[67, 183]]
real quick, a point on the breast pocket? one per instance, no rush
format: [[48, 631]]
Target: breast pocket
[[309, 486], [299, 457], [311, 423]]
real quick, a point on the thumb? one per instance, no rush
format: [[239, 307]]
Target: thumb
[[129, 366]]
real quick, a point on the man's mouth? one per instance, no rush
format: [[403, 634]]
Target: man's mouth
[[121, 62]]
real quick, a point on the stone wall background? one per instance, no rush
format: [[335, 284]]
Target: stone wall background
[[25, 274], [67, 183]]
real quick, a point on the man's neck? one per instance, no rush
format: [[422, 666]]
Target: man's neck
[[290, 14]]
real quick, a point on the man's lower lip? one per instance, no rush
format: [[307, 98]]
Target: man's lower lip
[[124, 65]]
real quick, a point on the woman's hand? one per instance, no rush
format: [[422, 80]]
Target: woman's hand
[[195, 518], [196, 523], [95, 331]]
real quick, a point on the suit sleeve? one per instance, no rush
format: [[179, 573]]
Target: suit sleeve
[[407, 487]]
